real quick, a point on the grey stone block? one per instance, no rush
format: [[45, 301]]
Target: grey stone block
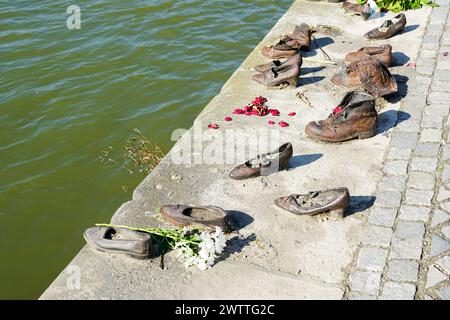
[[388, 199], [403, 270], [439, 217], [396, 167], [446, 231], [421, 180], [398, 291], [438, 245], [392, 183], [355, 295], [424, 164], [429, 150], [384, 217], [439, 85], [431, 135], [434, 276], [428, 54], [404, 140], [399, 153], [410, 213], [418, 197], [444, 292], [365, 281], [431, 121], [446, 152], [408, 240], [423, 80], [446, 173], [438, 97], [372, 259], [443, 194], [378, 236]]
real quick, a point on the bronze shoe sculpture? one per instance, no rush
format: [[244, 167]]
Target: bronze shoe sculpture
[[289, 44], [273, 53], [119, 240], [362, 10], [368, 73], [355, 117], [264, 164], [274, 77], [388, 29], [278, 65], [382, 54], [209, 216], [316, 202]]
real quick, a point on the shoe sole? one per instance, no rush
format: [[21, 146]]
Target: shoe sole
[[358, 135]]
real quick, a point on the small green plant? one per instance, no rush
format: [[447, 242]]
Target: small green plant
[[401, 5]]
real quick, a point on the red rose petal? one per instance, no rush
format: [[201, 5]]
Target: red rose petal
[[238, 111], [213, 126], [228, 119], [411, 65], [292, 114], [337, 109], [271, 122], [445, 54], [274, 112], [283, 124]]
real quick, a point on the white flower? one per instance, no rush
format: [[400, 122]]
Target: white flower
[[219, 240]]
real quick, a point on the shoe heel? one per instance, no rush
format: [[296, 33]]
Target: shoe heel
[[366, 134]]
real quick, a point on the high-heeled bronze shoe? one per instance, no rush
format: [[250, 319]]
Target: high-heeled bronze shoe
[[278, 65], [274, 77], [264, 164]]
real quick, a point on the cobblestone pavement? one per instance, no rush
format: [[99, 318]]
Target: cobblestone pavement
[[406, 252]]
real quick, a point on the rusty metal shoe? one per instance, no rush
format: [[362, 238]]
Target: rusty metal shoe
[[300, 38], [278, 65], [383, 54], [119, 240], [388, 29], [354, 117], [209, 216], [264, 164], [373, 76], [316, 202], [286, 52], [362, 10], [275, 77]]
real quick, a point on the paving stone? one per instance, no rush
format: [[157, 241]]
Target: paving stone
[[378, 236], [388, 198], [444, 263], [355, 295], [434, 276], [427, 149], [403, 270], [396, 167], [442, 65], [431, 135], [384, 217], [423, 80], [398, 291], [427, 297], [441, 85], [426, 69], [439, 217], [393, 183], [372, 259], [428, 54], [438, 97], [438, 245], [446, 231], [424, 164], [410, 213], [365, 281], [445, 206], [443, 194], [418, 197], [431, 121], [421, 180], [446, 151], [410, 126], [446, 172], [444, 292], [442, 75], [399, 153], [407, 241], [438, 111], [404, 139]]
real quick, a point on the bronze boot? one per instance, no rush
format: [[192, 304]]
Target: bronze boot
[[355, 117], [383, 54], [264, 164], [362, 10], [274, 77], [316, 202], [283, 51], [368, 73], [278, 65], [388, 28]]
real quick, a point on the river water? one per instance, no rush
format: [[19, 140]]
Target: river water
[[66, 95]]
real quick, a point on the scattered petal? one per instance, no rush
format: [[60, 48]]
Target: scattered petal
[[274, 112], [445, 53], [283, 124], [213, 126], [411, 65], [271, 122], [228, 119], [292, 114], [337, 109], [238, 111]]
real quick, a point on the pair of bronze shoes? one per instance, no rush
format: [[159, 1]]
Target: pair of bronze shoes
[[276, 72], [290, 44], [362, 10], [383, 54]]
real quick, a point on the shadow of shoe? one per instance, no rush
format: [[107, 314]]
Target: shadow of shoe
[[235, 245], [239, 220], [399, 59], [389, 119], [410, 28], [402, 84], [359, 204], [311, 70], [308, 80], [303, 160]]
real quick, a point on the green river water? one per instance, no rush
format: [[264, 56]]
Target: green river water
[[66, 95]]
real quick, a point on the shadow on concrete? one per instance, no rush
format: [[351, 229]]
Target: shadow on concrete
[[399, 59], [311, 70], [402, 83], [308, 80], [235, 245], [239, 220], [410, 28], [359, 204], [303, 160], [389, 119], [315, 45]]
